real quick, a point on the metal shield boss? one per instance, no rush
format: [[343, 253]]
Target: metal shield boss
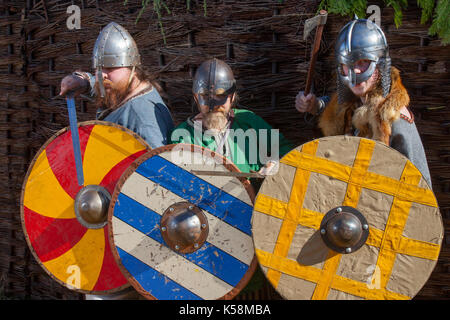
[[176, 235], [346, 218], [65, 224]]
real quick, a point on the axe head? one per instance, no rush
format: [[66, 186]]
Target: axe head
[[311, 23]]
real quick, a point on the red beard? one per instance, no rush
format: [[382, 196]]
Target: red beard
[[115, 93]]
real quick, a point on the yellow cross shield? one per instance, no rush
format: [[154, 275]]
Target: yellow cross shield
[[404, 222]]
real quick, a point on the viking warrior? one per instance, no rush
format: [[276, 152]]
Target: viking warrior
[[225, 129], [125, 93], [371, 100]]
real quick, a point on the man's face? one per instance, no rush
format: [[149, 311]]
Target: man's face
[[216, 118], [115, 81], [361, 89]]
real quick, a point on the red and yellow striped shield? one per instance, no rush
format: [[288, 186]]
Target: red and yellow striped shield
[[405, 225], [76, 256]]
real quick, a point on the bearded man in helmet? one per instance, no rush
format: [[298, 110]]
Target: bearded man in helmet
[[124, 91], [223, 128], [219, 123], [371, 100], [126, 95]]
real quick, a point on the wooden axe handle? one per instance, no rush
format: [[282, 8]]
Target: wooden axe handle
[[314, 53]]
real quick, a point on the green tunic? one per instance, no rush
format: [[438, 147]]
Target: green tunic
[[249, 144]]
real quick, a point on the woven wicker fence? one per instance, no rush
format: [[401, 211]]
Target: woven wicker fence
[[261, 40]]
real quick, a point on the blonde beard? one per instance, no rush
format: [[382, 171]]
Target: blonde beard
[[215, 121]]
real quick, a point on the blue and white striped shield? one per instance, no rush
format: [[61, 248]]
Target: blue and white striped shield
[[222, 265]]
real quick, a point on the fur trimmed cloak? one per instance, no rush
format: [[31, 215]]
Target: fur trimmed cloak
[[373, 119]]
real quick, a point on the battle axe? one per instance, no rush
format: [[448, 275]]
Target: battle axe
[[319, 22]]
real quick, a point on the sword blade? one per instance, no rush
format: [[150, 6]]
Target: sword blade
[[75, 139], [228, 174]]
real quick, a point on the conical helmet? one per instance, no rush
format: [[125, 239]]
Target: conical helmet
[[213, 79], [114, 47]]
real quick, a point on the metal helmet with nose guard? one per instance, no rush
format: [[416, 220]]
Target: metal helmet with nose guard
[[114, 47], [213, 83]]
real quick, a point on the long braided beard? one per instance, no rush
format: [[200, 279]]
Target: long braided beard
[[115, 93]]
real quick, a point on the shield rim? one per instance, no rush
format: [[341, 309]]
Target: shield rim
[[400, 155], [131, 169], [25, 180]]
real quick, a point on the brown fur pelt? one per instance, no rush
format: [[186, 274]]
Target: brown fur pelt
[[373, 119]]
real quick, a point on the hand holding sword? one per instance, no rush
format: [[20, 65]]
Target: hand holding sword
[[75, 84], [71, 86]]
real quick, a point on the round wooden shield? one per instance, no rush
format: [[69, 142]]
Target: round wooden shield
[[71, 251], [179, 235], [374, 185]]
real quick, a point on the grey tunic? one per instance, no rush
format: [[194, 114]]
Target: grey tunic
[[406, 139], [147, 115]]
